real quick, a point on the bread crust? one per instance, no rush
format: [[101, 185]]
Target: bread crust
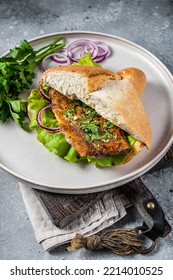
[[130, 114], [95, 76], [88, 71], [136, 77]]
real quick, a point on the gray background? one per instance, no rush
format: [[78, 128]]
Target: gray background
[[147, 23]]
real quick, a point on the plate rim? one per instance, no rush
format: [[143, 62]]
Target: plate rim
[[126, 178]]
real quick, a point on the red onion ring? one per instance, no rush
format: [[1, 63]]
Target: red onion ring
[[103, 47], [39, 120], [43, 93], [82, 43], [100, 58], [53, 56], [99, 51], [43, 64], [60, 58], [88, 48]]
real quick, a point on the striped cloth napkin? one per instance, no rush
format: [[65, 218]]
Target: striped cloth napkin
[[104, 213]]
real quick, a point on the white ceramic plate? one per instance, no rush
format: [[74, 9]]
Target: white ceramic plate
[[24, 157]]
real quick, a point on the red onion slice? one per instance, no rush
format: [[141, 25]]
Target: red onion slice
[[73, 52], [53, 56], [88, 48], [39, 120], [93, 51], [44, 64], [86, 44], [103, 48], [61, 58], [100, 58], [45, 96]]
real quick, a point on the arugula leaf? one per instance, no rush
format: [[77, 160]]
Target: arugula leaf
[[16, 74]]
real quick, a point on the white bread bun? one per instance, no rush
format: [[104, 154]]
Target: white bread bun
[[136, 77], [115, 96]]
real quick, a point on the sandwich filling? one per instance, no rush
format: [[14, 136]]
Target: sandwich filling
[[95, 123], [89, 133], [58, 143]]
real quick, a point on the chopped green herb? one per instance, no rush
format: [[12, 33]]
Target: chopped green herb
[[108, 125], [70, 113], [90, 125]]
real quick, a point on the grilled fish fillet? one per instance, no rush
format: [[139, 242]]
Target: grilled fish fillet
[[88, 133]]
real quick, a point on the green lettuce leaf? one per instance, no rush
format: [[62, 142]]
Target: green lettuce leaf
[[54, 142], [131, 140], [73, 155], [86, 60]]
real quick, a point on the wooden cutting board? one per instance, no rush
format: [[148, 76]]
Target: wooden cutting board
[[64, 208]]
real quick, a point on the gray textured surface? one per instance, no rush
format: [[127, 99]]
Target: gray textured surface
[[147, 23]]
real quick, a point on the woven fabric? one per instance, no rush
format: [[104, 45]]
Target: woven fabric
[[105, 212]]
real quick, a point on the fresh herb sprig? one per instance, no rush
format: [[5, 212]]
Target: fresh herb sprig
[[17, 74]]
